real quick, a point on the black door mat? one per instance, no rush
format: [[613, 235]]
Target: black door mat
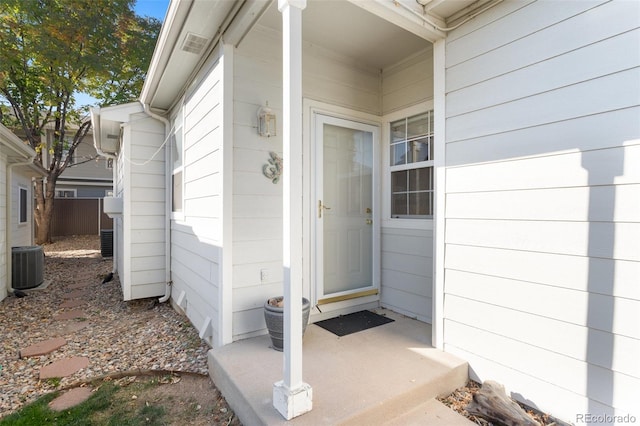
[[352, 323]]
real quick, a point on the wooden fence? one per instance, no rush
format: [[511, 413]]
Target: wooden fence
[[79, 216]]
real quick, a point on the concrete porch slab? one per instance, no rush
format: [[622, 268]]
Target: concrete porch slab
[[370, 377]]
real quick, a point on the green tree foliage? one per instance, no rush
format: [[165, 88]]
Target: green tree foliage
[[51, 50]]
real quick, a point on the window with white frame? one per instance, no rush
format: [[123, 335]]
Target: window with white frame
[[66, 144], [23, 205], [176, 159], [66, 193], [411, 167]]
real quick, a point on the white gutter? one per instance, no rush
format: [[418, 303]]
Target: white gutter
[[167, 206], [438, 27]]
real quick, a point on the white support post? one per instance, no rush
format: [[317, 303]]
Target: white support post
[[291, 396], [437, 335]]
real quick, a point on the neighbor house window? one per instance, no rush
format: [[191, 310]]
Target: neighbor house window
[[68, 141], [411, 166], [176, 158], [65, 193], [22, 205]]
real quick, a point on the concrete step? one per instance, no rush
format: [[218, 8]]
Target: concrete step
[[371, 377], [417, 401], [432, 413]]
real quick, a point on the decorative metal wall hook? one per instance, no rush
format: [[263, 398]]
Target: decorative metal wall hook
[[273, 169]]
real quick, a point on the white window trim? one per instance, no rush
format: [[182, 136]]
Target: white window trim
[[26, 192], [387, 221], [177, 215], [75, 192]]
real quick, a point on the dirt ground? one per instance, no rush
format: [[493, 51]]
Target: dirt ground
[[183, 398], [186, 399]]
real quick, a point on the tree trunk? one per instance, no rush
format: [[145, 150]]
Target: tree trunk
[[492, 403], [43, 212]]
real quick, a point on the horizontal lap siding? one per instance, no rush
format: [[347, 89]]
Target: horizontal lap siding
[[407, 272], [143, 244], [3, 225], [542, 234], [196, 241]]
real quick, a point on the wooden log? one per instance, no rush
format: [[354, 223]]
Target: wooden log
[[492, 403]]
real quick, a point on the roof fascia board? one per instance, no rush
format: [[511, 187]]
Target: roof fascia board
[[175, 19], [15, 144]]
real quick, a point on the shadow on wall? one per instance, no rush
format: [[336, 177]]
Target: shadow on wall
[[603, 167]]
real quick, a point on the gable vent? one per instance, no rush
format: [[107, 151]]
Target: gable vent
[[194, 43]]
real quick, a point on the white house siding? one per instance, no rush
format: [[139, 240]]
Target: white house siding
[[542, 234], [257, 202], [21, 233], [143, 180], [407, 253], [3, 227], [196, 239]]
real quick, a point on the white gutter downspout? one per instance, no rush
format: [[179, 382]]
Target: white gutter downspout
[[167, 207], [8, 221], [100, 152]]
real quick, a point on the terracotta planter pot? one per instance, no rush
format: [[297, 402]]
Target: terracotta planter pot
[[273, 316]]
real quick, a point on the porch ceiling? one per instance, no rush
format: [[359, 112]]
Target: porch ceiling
[[350, 28], [350, 31]]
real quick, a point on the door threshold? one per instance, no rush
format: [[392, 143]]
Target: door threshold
[[364, 293]]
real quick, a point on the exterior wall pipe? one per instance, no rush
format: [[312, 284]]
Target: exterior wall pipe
[[167, 207], [95, 116]]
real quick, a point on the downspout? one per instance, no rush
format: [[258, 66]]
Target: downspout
[[8, 221], [167, 206], [100, 152]]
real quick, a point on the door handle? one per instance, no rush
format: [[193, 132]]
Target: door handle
[[321, 207]]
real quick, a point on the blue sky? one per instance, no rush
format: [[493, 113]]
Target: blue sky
[[154, 8]]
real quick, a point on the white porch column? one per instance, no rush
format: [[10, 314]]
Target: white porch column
[[437, 327], [291, 396]]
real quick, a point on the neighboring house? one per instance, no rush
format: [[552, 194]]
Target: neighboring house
[[16, 200], [88, 174], [482, 178]]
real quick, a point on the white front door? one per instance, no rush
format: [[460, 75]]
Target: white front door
[[345, 210]]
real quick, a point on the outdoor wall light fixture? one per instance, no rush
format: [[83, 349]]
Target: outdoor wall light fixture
[[266, 121]]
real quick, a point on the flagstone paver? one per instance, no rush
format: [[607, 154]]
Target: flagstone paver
[[75, 294], [69, 328], [63, 368], [71, 398], [79, 286], [43, 348], [73, 303], [70, 315]]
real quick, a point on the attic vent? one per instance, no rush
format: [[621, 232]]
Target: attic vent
[[194, 43]]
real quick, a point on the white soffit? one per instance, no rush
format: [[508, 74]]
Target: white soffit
[[198, 30]]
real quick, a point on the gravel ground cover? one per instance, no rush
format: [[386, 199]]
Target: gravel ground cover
[[115, 335]]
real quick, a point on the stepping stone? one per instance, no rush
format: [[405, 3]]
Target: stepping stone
[[42, 348], [75, 294], [64, 367], [79, 286], [70, 315], [73, 303], [70, 399], [71, 328]]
